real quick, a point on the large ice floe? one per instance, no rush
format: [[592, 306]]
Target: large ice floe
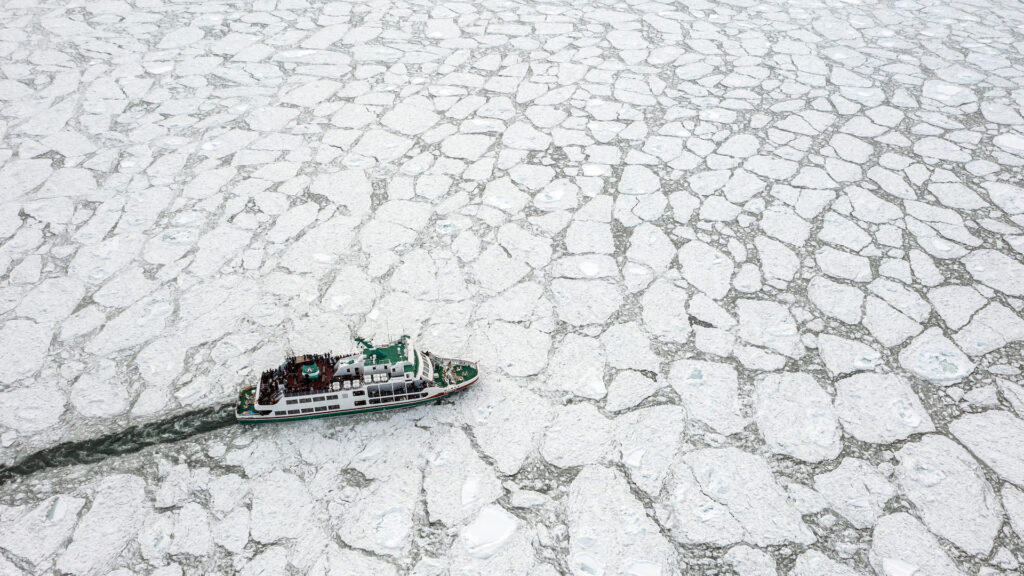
[[745, 281]]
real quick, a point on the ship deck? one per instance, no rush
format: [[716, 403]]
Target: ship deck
[[452, 372], [293, 377]]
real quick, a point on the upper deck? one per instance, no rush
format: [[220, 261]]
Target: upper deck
[[318, 373], [393, 353]]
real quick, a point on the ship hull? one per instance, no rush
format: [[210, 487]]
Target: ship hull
[[256, 418]]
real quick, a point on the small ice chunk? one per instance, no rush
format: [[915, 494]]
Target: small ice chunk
[[577, 367], [191, 534], [709, 392], [23, 346], [650, 246], [282, 507], [515, 348], [842, 356], [457, 483], [950, 491], [52, 300], [935, 358], [181, 37], [888, 325], [747, 561], [1013, 501], [1007, 196], [114, 517], [769, 324], [857, 490], [466, 146], [880, 408], [497, 271], [796, 418], [707, 268], [901, 546], [844, 265], [31, 407], [310, 94], [581, 302], [627, 346], [948, 94], [956, 303], [664, 311], [19, 176], [523, 136], [991, 329], [609, 530], [723, 496], [232, 532], [508, 422], [836, 300], [647, 441], [334, 561], [560, 194], [628, 389], [997, 437], [589, 237], [997, 270], [578, 435], [638, 180], [694, 517], [379, 518], [410, 117], [136, 324], [904, 300], [782, 222], [382, 145], [492, 527], [100, 393], [814, 563], [740, 146], [40, 532]]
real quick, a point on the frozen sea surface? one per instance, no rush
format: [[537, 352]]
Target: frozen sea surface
[[745, 279]]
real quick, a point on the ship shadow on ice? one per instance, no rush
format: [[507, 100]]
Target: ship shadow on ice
[[126, 441]]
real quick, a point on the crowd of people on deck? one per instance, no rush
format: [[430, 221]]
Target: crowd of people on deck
[[290, 379]]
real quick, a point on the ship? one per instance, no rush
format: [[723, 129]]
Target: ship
[[376, 378]]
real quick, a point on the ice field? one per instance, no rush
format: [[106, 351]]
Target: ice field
[[745, 280]]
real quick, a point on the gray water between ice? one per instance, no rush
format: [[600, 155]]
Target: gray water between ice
[[126, 441]]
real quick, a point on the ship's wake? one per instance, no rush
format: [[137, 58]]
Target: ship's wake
[[127, 441]]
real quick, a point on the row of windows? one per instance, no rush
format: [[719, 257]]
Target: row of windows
[[307, 410], [428, 365], [394, 389], [317, 399], [373, 400], [389, 400]]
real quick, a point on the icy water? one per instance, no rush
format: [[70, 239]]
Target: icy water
[[745, 281], [123, 441]]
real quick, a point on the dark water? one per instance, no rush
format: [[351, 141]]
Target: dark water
[[126, 441]]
